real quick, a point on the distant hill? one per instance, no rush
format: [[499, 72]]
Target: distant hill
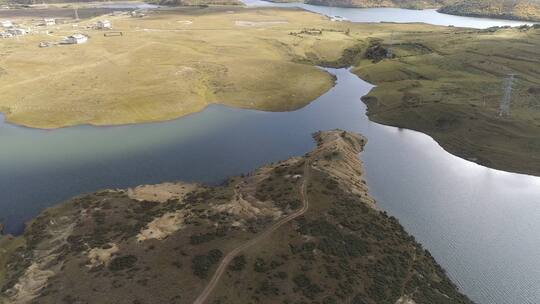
[[411, 4], [504, 9], [196, 2], [30, 2], [507, 9], [161, 2]]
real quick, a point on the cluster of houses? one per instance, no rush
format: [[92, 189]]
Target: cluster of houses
[[338, 18], [48, 22], [80, 38], [8, 29]]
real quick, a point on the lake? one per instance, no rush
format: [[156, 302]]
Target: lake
[[399, 15], [480, 224]]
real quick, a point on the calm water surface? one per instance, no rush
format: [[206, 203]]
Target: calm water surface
[[430, 16], [480, 224], [127, 5]]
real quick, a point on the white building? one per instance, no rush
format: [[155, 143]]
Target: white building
[[137, 14], [104, 25], [338, 18], [6, 24], [5, 35], [17, 31], [75, 39], [48, 21]]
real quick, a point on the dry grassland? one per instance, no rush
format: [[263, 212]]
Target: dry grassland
[[166, 65]]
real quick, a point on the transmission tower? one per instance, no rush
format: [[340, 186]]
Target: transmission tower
[[504, 108], [389, 51], [508, 6]]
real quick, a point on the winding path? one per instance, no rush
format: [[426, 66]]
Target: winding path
[[201, 299]]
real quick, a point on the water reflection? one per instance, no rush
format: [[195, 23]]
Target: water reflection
[[480, 224], [398, 15]]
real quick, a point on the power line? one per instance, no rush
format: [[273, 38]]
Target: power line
[[389, 53], [504, 108]]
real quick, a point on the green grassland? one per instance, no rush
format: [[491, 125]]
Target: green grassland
[[449, 84], [409, 4], [504, 9], [166, 65], [519, 10]]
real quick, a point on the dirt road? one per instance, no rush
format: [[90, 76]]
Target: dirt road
[[231, 255]]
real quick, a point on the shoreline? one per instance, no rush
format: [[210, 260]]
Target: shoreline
[[5, 120], [439, 9], [466, 157], [506, 17], [334, 162]]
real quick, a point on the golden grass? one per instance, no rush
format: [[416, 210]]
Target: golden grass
[[446, 82], [165, 66]]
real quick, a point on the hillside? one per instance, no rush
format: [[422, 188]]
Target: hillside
[[161, 2], [503, 9], [411, 4], [302, 230], [506, 9], [215, 63], [450, 84], [196, 2]]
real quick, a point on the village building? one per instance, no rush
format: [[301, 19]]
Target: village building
[[5, 35], [17, 31], [39, 5], [44, 44], [338, 18], [104, 25], [48, 21], [6, 24], [75, 39], [137, 14]]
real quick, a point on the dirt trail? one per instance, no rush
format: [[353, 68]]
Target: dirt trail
[[201, 299]]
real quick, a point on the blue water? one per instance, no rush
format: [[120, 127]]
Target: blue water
[[480, 224], [127, 5], [399, 15]]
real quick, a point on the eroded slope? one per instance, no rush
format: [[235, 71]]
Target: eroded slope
[[163, 243]]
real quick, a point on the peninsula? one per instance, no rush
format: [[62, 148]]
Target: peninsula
[[300, 230]]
